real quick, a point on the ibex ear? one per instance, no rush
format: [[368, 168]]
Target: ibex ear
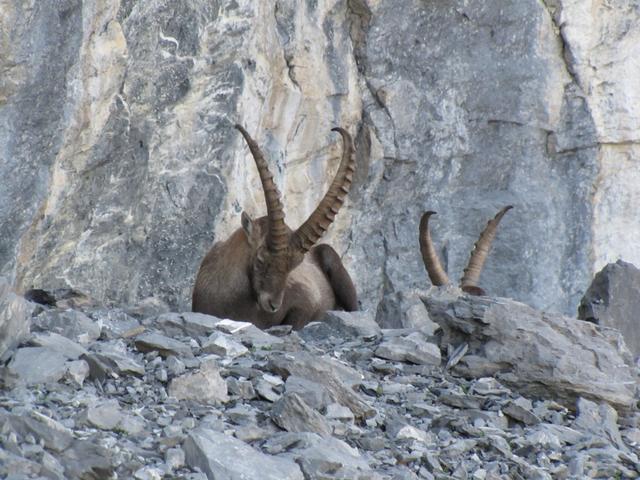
[[247, 224]]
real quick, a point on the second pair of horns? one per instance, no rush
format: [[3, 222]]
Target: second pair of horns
[[469, 281]]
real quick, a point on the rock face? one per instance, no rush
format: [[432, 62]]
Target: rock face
[[537, 353], [612, 301], [119, 165]]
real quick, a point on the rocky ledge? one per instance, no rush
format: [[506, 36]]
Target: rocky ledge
[[493, 390]]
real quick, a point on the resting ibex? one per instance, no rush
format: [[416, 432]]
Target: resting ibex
[[469, 281], [267, 274]]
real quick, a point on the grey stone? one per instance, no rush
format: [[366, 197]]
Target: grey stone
[[325, 373], [105, 415], [205, 386], [34, 365], [313, 393], [521, 414], [165, 346], [15, 318], [174, 458], [217, 455], [72, 324], [600, 420], [320, 456], [54, 435], [115, 322], [223, 345], [292, 414], [612, 301], [354, 324], [78, 371], [116, 358], [252, 336], [175, 365], [413, 347], [190, 324], [336, 411], [59, 343], [535, 353], [148, 473], [242, 388]]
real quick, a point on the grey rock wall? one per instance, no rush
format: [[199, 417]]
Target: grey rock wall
[[119, 165]]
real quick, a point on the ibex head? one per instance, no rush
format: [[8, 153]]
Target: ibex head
[[469, 281], [275, 249]]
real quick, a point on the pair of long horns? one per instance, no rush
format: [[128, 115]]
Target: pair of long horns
[[278, 238], [469, 281]]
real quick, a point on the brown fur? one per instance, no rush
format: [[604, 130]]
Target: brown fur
[[223, 287]]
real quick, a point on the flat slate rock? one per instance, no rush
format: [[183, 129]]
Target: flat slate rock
[[165, 346], [222, 456], [34, 365]]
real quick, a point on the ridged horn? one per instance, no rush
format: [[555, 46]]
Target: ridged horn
[[278, 234], [481, 250], [318, 222], [437, 275]]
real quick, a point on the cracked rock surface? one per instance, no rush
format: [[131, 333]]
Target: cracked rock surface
[[119, 165]]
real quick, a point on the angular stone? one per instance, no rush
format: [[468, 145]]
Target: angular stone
[[325, 373], [34, 365], [538, 354], [105, 415], [15, 317], [612, 301], [413, 348], [336, 411], [72, 324], [165, 346], [116, 357], [320, 456], [353, 324], [232, 326], [252, 336], [190, 324], [54, 435], [292, 414], [115, 322], [313, 393], [78, 371], [600, 420], [521, 414], [218, 456], [205, 385], [59, 343], [223, 345]]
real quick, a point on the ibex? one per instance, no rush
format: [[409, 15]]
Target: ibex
[[469, 281], [267, 274]]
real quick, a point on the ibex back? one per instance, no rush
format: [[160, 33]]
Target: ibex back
[[267, 274]]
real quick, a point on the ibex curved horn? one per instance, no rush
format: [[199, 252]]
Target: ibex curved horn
[[314, 227], [277, 235], [481, 250], [437, 275]]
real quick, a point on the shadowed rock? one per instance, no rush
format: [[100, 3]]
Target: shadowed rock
[[541, 354]]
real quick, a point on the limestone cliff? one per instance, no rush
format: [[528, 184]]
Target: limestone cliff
[[119, 165]]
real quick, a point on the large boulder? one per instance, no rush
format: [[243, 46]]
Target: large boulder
[[612, 300], [540, 354]]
